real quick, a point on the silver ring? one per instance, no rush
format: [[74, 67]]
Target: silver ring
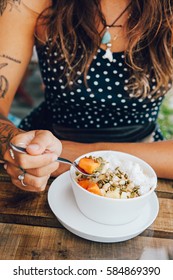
[[21, 177]]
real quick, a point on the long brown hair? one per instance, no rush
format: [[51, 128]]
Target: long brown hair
[[150, 39]]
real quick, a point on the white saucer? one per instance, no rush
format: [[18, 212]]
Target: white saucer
[[62, 202]]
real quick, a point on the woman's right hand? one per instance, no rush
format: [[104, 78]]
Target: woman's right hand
[[37, 165]]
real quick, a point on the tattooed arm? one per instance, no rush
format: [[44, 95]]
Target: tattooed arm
[[16, 45], [17, 39], [7, 132], [13, 4], [17, 26], [36, 6]]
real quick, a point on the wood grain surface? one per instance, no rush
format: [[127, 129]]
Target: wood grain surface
[[29, 229]]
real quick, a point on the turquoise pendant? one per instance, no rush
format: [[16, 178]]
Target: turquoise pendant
[[106, 38]]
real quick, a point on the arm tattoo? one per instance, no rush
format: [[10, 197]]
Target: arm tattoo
[[7, 132], [11, 58], [13, 4], [5, 136], [3, 65], [4, 85]]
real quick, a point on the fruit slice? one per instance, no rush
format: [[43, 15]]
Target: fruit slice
[[84, 183], [89, 186], [93, 188], [90, 165]]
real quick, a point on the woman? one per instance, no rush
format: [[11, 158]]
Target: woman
[[106, 66]]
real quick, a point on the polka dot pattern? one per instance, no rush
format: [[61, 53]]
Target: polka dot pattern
[[105, 102]]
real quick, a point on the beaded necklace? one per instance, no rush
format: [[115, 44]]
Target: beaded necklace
[[106, 37]]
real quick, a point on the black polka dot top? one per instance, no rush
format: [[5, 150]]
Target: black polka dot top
[[105, 102]]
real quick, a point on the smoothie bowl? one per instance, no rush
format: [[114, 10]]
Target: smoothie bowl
[[119, 189]]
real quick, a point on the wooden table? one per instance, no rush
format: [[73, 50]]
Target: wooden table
[[30, 231]]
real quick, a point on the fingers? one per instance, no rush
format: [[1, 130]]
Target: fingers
[[39, 162], [36, 188], [14, 171], [41, 141], [43, 171], [42, 144], [38, 142], [27, 161], [29, 181]]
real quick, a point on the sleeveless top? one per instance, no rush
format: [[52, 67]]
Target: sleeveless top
[[104, 103]]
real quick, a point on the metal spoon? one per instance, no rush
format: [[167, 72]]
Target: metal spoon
[[59, 159]]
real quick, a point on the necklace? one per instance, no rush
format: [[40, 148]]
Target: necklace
[[106, 38]]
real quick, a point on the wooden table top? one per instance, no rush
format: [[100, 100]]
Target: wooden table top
[[30, 231]]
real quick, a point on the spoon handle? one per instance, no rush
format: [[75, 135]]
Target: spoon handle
[[63, 160], [18, 149], [59, 159], [23, 150]]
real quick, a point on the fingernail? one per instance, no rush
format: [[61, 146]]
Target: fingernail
[[34, 147], [5, 166]]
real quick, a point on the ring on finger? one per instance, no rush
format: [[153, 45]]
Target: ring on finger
[[21, 178]]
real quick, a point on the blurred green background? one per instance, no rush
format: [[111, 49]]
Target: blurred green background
[[165, 118]]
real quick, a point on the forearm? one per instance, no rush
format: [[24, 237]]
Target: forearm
[[7, 132], [158, 154]]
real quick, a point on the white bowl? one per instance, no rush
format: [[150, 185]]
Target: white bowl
[[112, 211]]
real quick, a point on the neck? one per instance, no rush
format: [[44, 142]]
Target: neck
[[113, 3], [113, 26], [112, 10]]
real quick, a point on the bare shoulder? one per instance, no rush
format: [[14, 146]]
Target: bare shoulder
[[13, 6], [36, 5]]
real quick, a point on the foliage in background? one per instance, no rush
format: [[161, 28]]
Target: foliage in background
[[165, 118]]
